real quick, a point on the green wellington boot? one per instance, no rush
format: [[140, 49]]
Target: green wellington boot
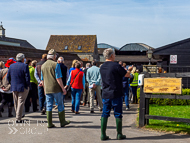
[[49, 119], [103, 128], [62, 120], [120, 136]]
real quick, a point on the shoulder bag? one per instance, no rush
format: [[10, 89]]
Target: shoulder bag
[[69, 86]]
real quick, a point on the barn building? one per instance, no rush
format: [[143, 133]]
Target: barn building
[[134, 54], [85, 46], [175, 58]]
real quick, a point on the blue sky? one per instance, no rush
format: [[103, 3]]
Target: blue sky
[[116, 22]]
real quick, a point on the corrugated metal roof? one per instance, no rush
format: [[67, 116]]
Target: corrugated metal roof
[[104, 45], [135, 47]]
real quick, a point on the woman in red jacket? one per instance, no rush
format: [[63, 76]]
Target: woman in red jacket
[[77, 82]]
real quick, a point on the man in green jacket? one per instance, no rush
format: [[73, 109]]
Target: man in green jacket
[[51, 77]]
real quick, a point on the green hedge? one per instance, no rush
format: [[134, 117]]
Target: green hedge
[[160, 101]]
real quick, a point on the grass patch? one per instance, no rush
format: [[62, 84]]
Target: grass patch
[[178, 111]]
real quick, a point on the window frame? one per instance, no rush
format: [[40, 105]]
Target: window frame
[[66, 47], [80, 47]]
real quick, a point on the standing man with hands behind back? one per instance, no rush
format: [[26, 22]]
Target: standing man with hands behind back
[[19, 78], [93, 77], [51, 77], [112, 91]]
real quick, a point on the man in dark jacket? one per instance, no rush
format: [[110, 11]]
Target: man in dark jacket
[[112, 91], [64, 71], [37, 74], [86, 93], [19, 78]]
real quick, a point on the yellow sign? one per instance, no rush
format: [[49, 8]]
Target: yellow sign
[[163, 85]]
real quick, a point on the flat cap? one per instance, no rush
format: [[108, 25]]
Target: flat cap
[[52, 52], [20, 56]]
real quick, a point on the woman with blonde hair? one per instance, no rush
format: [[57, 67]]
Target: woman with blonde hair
[[73, 63], [73, 66], [134, 84]]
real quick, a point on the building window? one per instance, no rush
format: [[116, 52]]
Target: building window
[[66, 47], [79, 47]]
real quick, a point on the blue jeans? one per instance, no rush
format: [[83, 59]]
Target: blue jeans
[[42, 97], [126, 95], [56, 101], [75, 94], [116, 104], [50, 99]]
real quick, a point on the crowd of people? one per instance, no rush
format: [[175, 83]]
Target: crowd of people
[[23, 83]]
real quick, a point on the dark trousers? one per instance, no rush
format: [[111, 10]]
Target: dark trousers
[[126, 95], [32, 94], [6, 98], [116, 104], [0, 97], [134, 91], [86, 94], [42, 97]]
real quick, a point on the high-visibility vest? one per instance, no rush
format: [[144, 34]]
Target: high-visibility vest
[[135, 80]]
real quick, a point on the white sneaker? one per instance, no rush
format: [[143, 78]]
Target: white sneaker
[[127, 109]]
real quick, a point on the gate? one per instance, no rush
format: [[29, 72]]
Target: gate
[[144, 101]]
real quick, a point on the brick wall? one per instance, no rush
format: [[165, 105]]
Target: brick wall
[[68, 63], [5, 58]]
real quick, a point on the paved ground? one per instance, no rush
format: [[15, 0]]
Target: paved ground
[[83, 128]]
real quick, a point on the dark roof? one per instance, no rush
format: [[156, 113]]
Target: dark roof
[[23, 43], [126, 58], [59, 42], [171, 45], [12, 51], [101, 50], [135, 47], [105, 46]]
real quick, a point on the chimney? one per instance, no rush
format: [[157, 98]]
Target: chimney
[[2, 31]]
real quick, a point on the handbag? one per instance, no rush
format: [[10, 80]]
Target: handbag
[[69, 86]]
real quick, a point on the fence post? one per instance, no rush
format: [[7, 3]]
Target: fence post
[[147, 110], [142, 108]]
